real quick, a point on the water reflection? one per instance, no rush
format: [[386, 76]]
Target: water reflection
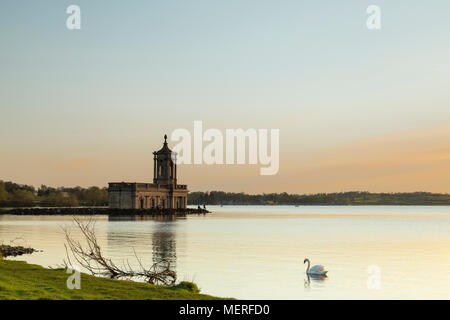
[[159, 237], [217, 251], [164, 244], [316, 279], [147, 218]]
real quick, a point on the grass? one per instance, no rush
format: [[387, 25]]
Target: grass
[[22, 281]]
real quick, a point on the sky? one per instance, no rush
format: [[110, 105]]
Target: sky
[[357, 109]]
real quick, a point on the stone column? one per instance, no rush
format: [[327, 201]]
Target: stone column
[[175, 164], [167, 169], [154, 167]]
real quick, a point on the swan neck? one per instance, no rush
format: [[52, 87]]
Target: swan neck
[[307, 260]]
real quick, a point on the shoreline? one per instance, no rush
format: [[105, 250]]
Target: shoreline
[[93, 211], [37, 282], [14, 251]]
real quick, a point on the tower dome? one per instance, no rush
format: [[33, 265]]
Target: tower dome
[[164, 165]]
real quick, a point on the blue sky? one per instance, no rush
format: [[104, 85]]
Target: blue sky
[[139, 69]]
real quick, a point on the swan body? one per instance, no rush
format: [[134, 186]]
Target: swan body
[[317, 270]]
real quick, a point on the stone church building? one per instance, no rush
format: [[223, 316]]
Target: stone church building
[[164, 192]]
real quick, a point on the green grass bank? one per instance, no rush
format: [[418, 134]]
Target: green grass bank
[[22, 281]]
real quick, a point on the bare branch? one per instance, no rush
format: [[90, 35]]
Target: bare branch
[[90, 257]]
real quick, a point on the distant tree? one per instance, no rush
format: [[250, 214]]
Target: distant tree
[[59, 199], [22, 198], [3, 194], [11, 187], [45, 191], [341, 198], [94, 196]]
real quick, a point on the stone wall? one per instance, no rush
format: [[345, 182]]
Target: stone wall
[[121, 195], [146, 196]]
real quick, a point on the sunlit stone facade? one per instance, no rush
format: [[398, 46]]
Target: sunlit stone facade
[[164, 192]]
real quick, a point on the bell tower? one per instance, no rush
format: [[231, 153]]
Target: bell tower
[[164, 165]]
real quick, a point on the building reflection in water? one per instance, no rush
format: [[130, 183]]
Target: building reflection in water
[[162, 233]]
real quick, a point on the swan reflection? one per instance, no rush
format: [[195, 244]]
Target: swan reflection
[[315, 279]]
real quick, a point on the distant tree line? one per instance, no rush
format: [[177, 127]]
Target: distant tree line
[[341, 198], [18, 195]]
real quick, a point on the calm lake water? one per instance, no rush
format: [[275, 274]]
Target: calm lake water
[[257, 252]]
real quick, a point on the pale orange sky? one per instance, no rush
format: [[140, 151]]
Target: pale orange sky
[[417, 160], [407, 161], [357, 109]]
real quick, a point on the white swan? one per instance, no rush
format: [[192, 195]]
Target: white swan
[[317, 270]]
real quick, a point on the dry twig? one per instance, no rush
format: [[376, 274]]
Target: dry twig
[[90, 257]]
